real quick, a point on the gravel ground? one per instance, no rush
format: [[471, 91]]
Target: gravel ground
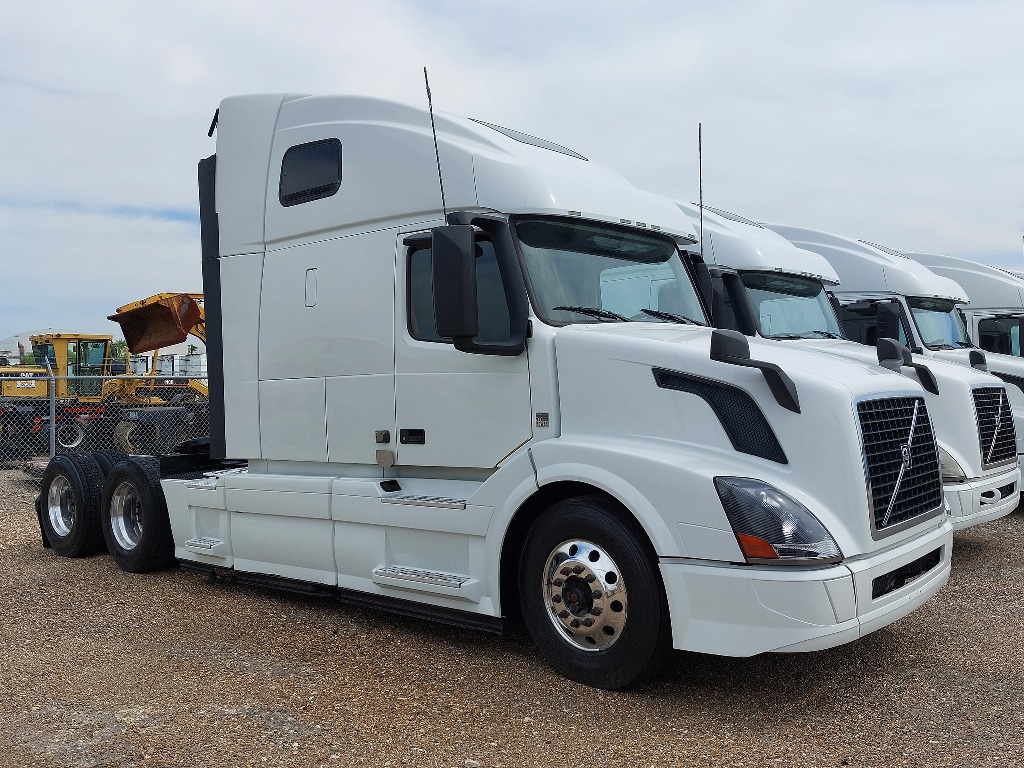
[[104, 668]]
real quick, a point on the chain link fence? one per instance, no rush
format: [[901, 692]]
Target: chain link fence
[[135, 414]]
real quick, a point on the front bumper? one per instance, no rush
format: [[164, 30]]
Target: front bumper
[[981, 500], [736, 610]]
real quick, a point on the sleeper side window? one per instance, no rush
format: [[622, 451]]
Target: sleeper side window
[[492, 306], [310, 172]]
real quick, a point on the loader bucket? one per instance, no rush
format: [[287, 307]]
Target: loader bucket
[[149, 325]]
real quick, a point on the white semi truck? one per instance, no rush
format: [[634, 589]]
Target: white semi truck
[[768, 287], [462, 417], [995, 314], [883, 292]]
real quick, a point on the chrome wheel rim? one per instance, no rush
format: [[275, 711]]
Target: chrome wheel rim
[[585, 595], [60, 506], [70, 434], [126, 516]]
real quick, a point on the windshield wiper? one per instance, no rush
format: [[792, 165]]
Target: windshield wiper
[[601, 314], [939, 345], [964, 344], [788, 336], [672, 317]]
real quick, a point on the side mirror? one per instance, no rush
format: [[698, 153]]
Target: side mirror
[[978, 360], [732, 347], [454, 280], [704, 279], [888, 320], [729, 345], [716, 297], [837, 310], [892, 354]]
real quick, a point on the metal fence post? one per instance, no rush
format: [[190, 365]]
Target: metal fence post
[[53, 410]]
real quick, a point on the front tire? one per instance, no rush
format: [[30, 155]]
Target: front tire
[[592, 597], [69, 512], [134, 516]]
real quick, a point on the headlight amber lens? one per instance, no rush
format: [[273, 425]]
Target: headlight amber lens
[[771, 526]]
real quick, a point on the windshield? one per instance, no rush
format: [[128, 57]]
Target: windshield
[[1001, 335], [44, 353], [788, 307], [939, 323], [582, 272]]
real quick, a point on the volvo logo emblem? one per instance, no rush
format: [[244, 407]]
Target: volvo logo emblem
[[907, 458]]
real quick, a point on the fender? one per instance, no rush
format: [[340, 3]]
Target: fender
[[661, 484]]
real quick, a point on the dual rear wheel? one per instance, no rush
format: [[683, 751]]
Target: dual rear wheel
[[106, 500]]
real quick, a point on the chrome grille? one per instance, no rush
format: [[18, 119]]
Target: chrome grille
[[902, 469], [996, 436]]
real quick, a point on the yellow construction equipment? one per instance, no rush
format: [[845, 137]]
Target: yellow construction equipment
[[115, 406], [161, 320]]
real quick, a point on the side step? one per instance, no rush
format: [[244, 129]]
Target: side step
[[454, 585], [443, 502], [203, 542], [363, 600]]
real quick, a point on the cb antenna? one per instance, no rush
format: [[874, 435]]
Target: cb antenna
[[437, 154], [700, 188]]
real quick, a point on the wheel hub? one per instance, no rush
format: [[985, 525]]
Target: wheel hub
[[126, 516], [60, 506], [585, 595]]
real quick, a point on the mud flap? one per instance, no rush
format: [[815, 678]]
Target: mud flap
[[39, 519]]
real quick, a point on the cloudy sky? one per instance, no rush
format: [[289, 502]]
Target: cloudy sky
[[895, 121]]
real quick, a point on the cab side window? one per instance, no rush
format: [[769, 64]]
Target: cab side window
[[492, 306], [310, 172]]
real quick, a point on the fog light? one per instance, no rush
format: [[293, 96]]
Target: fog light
[[951, 471]]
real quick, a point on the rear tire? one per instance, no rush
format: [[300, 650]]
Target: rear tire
[[69, 513], [107, 459], [592, 596], [134, 516]]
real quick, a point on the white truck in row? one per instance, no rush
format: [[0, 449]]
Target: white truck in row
[[995, 314], [765, 285], [509, 407], [881, 287]]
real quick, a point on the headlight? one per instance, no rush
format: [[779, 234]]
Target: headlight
[[772, 527], [951, 471]]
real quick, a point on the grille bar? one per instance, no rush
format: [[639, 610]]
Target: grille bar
[[997, 438], [901, 462]]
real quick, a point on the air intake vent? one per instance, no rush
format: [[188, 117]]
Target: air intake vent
[[996, 436], [901, 462]]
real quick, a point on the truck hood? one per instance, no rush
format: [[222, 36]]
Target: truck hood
[[647, 385], [952, 410], [858, 374]]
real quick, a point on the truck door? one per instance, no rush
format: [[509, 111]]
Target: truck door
[[455, 409]]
